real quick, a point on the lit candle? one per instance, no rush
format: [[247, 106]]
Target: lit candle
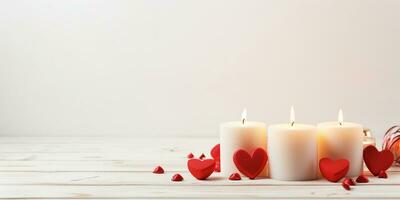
[[342, 140], [292, 151], [243, 134]]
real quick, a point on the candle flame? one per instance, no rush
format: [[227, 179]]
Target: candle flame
[[340, 117], [244, 115], [292, 116]]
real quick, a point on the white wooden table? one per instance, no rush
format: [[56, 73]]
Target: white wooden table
[[120, 168]]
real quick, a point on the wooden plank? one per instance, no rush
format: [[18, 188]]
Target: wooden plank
[[199, 192], [177, 164], [150, 179]]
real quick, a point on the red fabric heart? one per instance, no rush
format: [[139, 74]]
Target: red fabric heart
[[215, 152], [377, 161], [333, 170], [201, 169], [252, 165]]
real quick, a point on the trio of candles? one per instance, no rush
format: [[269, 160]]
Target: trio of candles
[[293, 149]]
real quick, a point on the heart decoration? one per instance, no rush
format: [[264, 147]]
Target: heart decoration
[[333, 170], [377, 161], [215, 152], [252, 165], [201, 169]]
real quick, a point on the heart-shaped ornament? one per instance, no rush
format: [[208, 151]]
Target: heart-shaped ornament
[[250, 165], [377, 161], [201, 169], [215, 152], [333, 170]]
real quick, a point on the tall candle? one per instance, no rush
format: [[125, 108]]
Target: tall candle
[[237, 135], [342, 140], [292, 151]]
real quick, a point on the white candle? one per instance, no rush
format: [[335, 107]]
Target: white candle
[[237, 135], [292, 151], [368, 138], [342, 140]]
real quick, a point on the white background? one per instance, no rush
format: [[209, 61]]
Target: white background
[[160, 68]]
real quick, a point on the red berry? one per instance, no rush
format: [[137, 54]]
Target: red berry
[[345, 186], [177, 177], [349, 181], [235, 177], [362, 179], [202, 156], [382, 174], [190, 155], [158, 170]]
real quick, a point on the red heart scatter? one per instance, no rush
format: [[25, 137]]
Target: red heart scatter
[[201, 169], [362, 179], [252, 165], [235, 177], [377, 161], [190, 155], [382, 174], [177, 177], [333, 170], [215, 152], [345, 186], [202, 156], [349, 181], [158, 170]]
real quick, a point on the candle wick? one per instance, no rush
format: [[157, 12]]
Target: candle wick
[[340, 123], [292, 123], [243, 120]]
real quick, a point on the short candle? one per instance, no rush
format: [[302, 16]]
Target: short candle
[[342, 140], [243, 134], [292, 151]]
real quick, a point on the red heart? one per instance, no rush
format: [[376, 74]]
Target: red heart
[[252, 165], [377, 161], [201, 169], [215, 152], [333, 170]]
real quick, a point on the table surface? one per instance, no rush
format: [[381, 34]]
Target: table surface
[[120, 168]]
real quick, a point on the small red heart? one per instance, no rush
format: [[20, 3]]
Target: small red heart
[[333, 170], [177, 177], [158, 170], [215, 152], [377, 161], [202, 156], [382, 174], [190, 155], [235, 177], [346, 186], [201, 169], [362, 179], [252, 165], [349, 181]]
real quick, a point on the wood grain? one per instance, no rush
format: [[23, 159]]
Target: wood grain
[[120, 168]]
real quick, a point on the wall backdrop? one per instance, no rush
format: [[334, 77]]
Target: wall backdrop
[[160, 68]]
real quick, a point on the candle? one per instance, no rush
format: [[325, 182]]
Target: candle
[[237, 135], [368, 138], [342, 140], [292, 151]]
